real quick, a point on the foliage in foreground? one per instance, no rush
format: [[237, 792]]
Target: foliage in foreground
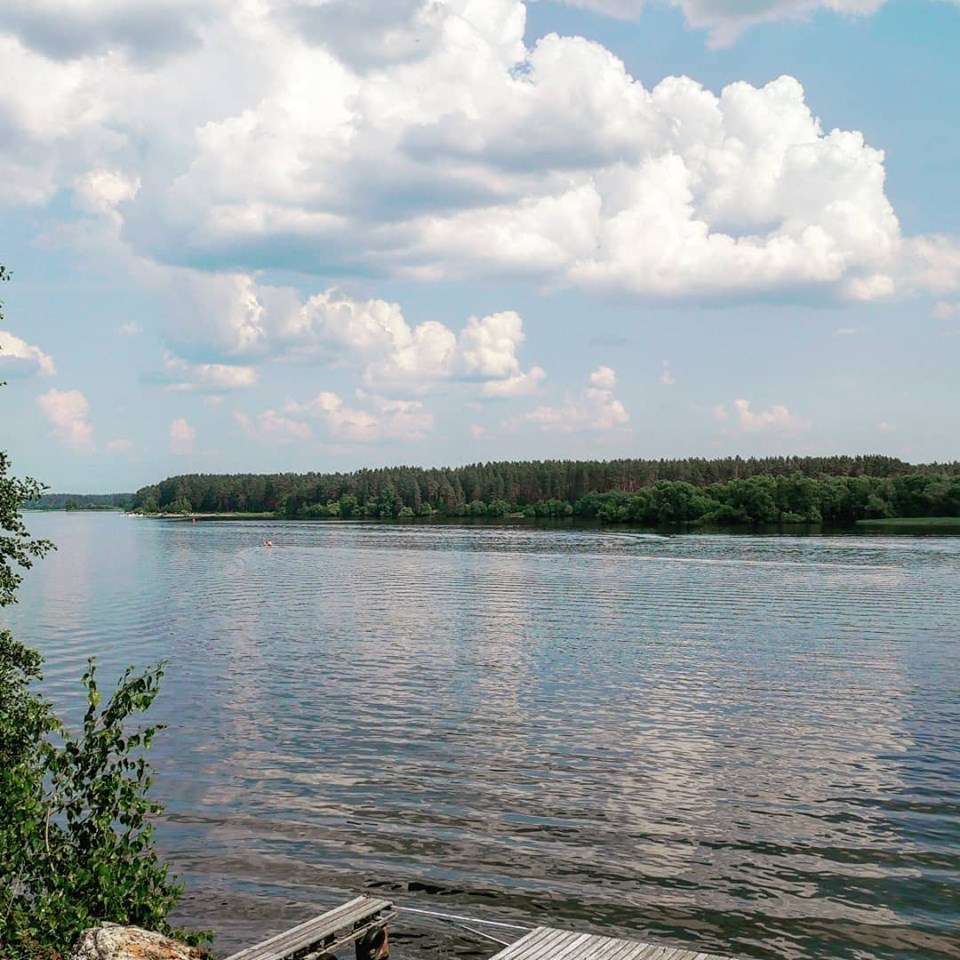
[[76, 844]]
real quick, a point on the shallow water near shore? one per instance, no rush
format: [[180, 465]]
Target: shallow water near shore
[[740, 744]]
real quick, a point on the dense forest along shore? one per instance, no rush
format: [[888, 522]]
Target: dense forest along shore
[[729, 491]]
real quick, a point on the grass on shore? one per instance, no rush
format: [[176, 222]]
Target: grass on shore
[[932, 522]]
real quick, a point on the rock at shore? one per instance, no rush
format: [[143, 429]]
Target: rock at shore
[[114, 942]]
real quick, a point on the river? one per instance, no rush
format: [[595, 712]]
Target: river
[[740, 744]]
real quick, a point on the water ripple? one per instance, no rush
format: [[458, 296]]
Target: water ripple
[[745, 744]]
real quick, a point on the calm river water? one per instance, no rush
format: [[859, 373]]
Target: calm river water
[[743, 744]]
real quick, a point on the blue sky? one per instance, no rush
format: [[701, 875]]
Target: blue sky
[[275, 235]]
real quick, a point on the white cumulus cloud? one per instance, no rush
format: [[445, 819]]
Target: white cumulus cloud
[[776, 420], [932, 263], [99, 191], [21, 359], [593, 410], [521, 385], [273, 427], [423, 139], [67, 29], [67, 412], [485, 350], [247, 320], [603, 378], [385, 419], [179, 374], [183, 437], [669, 192]]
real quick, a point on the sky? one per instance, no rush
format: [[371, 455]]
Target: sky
[[292, 235]]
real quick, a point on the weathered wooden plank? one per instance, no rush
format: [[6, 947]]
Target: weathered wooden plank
[[535, 945], [626, 950], [332, 929], [548, 943], [630, 950]]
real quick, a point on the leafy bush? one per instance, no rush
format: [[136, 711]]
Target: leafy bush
[[76, 845]]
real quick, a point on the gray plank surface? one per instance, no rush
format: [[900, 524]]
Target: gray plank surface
[[337, 926], [548, 943]]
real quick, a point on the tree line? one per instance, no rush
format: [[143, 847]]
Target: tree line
[[731, 490], [81, 501]]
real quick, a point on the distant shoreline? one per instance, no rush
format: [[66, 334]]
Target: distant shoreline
[[206, 516], [917, 523]]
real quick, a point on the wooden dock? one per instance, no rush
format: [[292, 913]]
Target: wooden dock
[[548, 943], [363, 921]]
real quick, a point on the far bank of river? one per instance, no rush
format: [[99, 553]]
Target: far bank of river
[[893, 525]]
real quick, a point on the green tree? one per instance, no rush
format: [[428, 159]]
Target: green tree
[[677, 502], [76, 844], [18, 549]]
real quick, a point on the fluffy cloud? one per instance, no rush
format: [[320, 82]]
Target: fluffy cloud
[[221, 316], [726, 19], [273, 427], [345, 25], [669, 192], [603, 378], [485, 350], [21, 359], [594, 410], [521, 385], [943, 310], [179, 374], [667, 378], [385, 420], [67, 411], [244, 319], [119, 446], [55, 116], [182, 437], [67, 29], [99, 191], [441, 147], [777, 420], [931, 263]]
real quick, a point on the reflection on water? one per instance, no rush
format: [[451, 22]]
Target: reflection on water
[[745, 744]]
